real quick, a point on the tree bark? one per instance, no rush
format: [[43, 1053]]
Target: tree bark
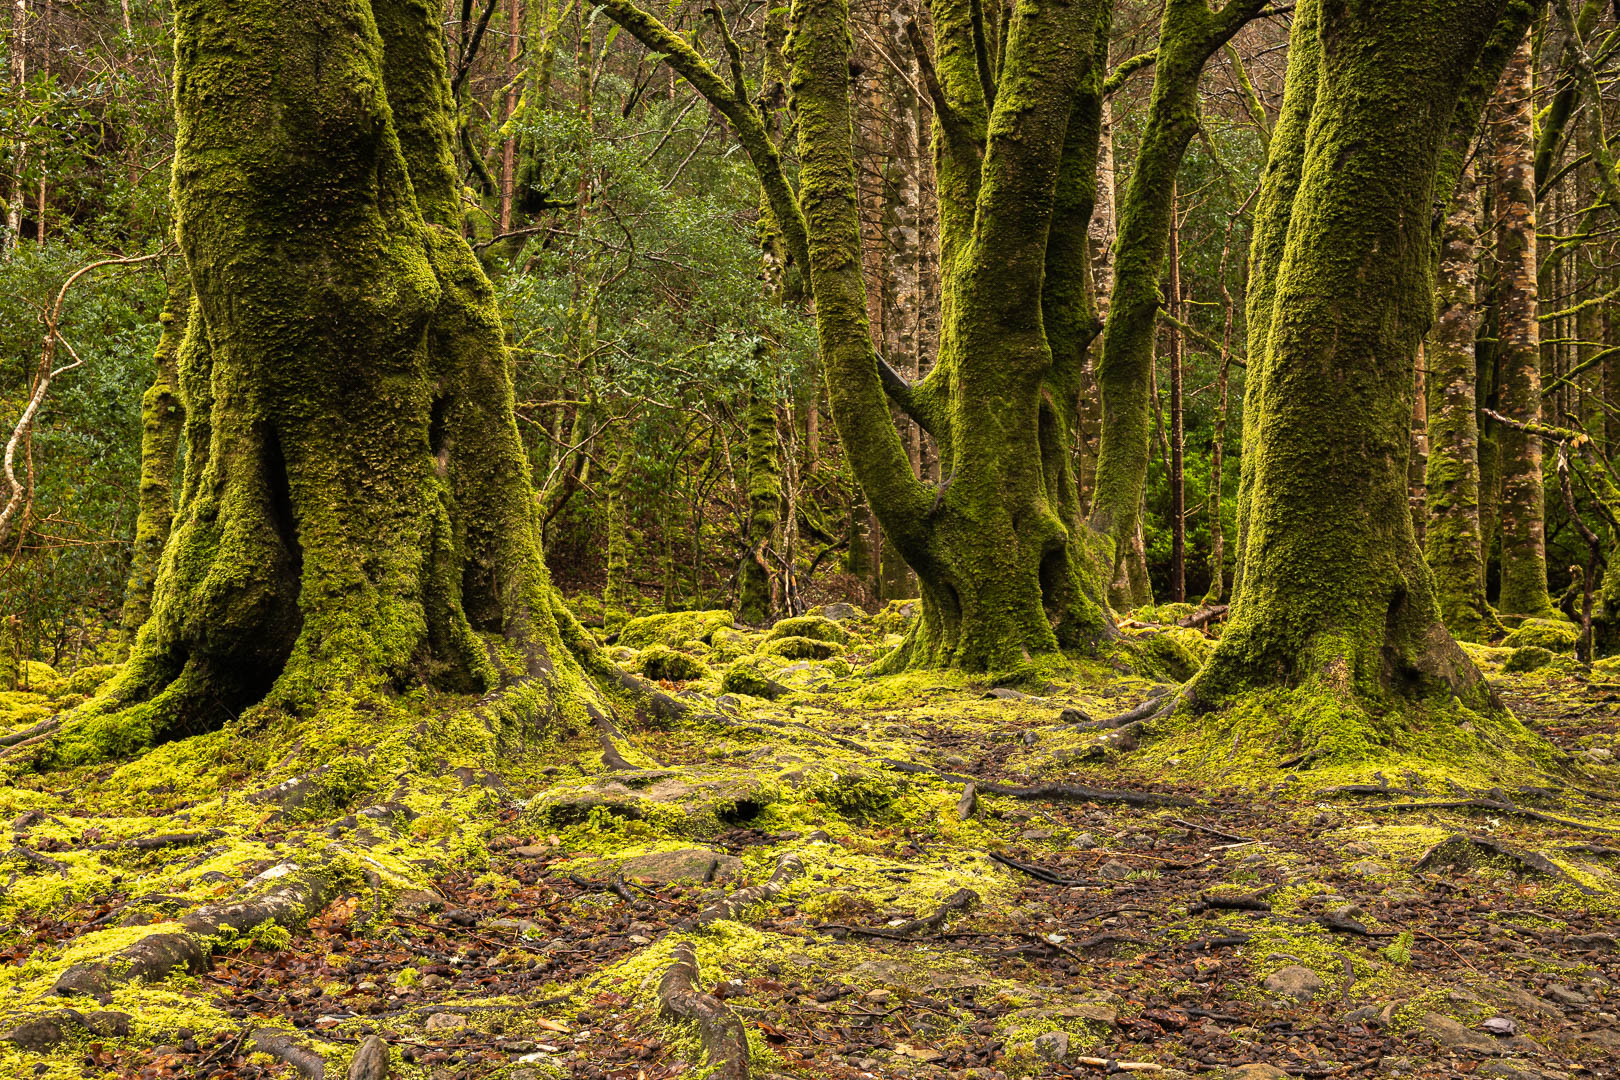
[[1335, 600], [1178, 485], [19, 84], [1521, 510], [764, 507], [356, 508]]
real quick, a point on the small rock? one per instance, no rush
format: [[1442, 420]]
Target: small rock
[[1452, 1035], [1500, 1025], [433, 982], [1113, 870], [445, 1022], [1084, 842], [1367, 868], [1565, 996], [1053, 1046], [1295, 981], [879, 996], [1037, 834], [1608, 1038]]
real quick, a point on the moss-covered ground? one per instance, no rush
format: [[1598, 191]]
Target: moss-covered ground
[[505, 905]]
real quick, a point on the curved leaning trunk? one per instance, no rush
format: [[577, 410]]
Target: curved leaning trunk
[[356, 510], [1335, 597]]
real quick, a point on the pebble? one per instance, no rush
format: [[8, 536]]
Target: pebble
[[1113, 870], [445, 1022]]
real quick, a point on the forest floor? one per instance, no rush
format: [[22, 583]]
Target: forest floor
[[521, 921]]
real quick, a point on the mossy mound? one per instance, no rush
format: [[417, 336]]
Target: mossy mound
[[673, 628], [727, 645], [38, 677], [1179, 651], [1550, 634], [800, 648], [746, 677], [1528, 658], [809, 626], [87, 680], [669, 665]]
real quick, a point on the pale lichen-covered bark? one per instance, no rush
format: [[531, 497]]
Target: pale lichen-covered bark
[[1452, 544], [1521, 508]]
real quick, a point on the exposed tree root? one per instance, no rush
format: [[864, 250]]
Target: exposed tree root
[[1500, 806], [788, 867], [962, 900], [1056, 792], [282, 1046], [370, 1062], [27, 735], [298, 894], [725, 1043]]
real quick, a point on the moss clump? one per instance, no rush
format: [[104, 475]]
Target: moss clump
[[800, 648], [1178, 651], [668, 665], [1528, 658], [673, 628], [728, 645], [896, 616], [746, 677], [810, 626], [1549, 634]]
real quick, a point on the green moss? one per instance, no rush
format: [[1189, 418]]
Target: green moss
[[667, 665], [747, 677], [1177, 650], [810, 626], [673, 628], [1550, 634], [1528, 658], [799, 648]]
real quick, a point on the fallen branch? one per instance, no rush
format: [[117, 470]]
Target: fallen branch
[[1438, 856], [1496, 805], [1039, 873], [725, 1043]]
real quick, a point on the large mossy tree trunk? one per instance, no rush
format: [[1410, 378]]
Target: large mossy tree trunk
[[1521, 507], [1335, 599], [356, 515], [1452, 544]]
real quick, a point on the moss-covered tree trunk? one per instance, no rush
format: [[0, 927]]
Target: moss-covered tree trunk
[[764, 507], [162, 420], [1521, 508], [1189, 34], [1335, 597], [1453, 543], [356, 515]]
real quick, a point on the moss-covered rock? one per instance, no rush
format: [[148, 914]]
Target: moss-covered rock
[[747, 677], [673, 628], [669, 665], [810, 626], [727, 645], [800, 648], [1551, 634], [1528, 658]]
